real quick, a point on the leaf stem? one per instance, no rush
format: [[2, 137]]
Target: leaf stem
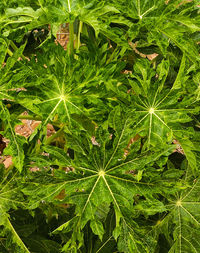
[[9, 52], [10, 167], [16, 48], [54, 136], [112, 55], [79, 34], [29, 117], [18, 239], [71, 39]]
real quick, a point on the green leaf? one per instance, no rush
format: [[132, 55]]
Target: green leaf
[[121, 171], [184, 214], [73, 92], [99, 177], [164, 23], [10, 198], [61, 157], [97, 228], [3, 51], [180, 76], [15, 147], [160, 114], [11, 61]]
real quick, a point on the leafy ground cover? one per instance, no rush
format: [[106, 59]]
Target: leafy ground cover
[[112, 161]]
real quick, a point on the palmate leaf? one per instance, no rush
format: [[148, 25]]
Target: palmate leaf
[[161, 24], [10, 198], [162, 111], [183, 220], [137, 9], [101, 176], [55, 85]]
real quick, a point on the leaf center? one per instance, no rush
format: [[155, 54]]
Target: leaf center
[[178, 203], [62, 97], [151, 110], [101, 173]]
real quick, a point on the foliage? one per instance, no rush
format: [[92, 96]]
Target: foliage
[[120, 173]]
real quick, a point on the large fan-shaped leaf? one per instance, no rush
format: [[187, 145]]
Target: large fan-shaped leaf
[[100, 177], [184, 214], [163, 23], [161, 112], [65, 88]]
